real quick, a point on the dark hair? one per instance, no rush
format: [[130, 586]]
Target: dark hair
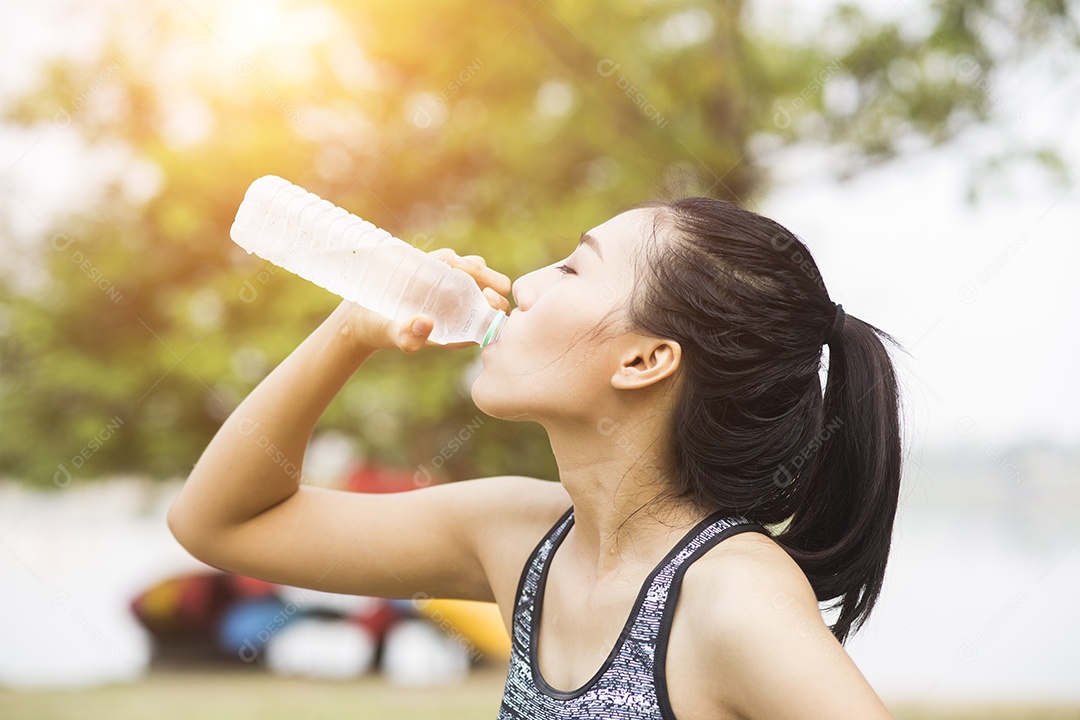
[[751, 432]]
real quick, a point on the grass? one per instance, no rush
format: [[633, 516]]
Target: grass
[[243, 694], [901, 711], [250, 693]]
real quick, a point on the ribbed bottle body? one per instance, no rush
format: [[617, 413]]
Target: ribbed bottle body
[[311, 237]]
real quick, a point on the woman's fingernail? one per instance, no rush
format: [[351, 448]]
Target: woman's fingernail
[[419, 328]]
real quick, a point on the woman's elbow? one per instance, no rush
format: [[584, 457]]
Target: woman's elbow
[[186, 528]]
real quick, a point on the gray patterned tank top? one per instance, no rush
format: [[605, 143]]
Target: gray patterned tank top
[[631, 684]]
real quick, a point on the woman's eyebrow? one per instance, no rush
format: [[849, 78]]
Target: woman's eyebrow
[[589, 240]]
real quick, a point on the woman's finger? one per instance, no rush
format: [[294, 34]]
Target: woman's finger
[[476, 266], [496, 300]]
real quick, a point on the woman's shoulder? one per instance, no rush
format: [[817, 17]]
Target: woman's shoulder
[[515, 506], [502, 514], [735, 580], [757, 626], [515, 514], [526, 499]]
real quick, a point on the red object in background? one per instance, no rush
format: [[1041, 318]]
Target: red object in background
[[248, 587], [191, 606], [374, 479], [184, 606], [379, 620]]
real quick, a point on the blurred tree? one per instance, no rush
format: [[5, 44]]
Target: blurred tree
[[502, 130]]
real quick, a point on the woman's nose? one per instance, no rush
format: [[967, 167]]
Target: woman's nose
[[526, 288], [517, 291]]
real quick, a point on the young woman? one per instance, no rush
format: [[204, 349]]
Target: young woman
[[673, 359]]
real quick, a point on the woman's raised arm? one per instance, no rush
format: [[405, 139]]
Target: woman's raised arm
[[244, 507]]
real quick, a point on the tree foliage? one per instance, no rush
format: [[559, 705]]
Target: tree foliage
[[502, 130]]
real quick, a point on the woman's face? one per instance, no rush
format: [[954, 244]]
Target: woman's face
[[557, 353]]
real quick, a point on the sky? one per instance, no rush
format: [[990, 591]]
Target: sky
[[981, 296]]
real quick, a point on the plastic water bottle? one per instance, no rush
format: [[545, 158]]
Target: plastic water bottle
[[310, 237]]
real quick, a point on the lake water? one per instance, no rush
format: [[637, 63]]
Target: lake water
[[979, 603], [980, 598]]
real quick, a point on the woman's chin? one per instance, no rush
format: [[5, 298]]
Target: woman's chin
[[484, 397], [493, 400]]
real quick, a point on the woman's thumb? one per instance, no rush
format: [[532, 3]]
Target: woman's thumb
[[417, 332]]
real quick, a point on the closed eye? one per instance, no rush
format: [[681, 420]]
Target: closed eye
[[566, 270]]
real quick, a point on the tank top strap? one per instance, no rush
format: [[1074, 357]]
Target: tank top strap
[[654, 615], [529, 581]]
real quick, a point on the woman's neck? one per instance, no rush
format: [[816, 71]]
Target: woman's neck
[[624, 516]]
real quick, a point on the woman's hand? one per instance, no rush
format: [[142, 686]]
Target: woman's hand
[[370, 330]]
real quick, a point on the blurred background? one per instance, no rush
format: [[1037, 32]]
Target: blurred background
[[926, 152]]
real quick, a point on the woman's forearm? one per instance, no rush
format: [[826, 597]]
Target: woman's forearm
[[255, 459]]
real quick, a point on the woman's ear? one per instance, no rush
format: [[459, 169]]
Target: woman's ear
[[646, 361]]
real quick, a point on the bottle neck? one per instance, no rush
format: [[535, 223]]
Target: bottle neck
[[493, 325]]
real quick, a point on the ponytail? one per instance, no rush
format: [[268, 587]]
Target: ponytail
[[841, 530], [751, 432]]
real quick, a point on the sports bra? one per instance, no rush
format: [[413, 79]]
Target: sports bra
[[631, 684]]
